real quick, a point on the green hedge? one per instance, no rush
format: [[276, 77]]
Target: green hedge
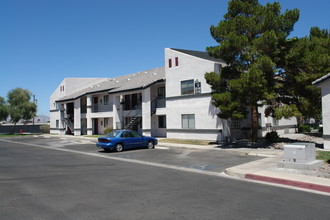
[[304, 129]]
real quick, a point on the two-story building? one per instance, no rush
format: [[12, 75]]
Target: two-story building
[[173, 101], [324, 84]]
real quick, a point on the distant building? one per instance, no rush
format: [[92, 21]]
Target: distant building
[[41, 119], [173, 101], [324, 84]]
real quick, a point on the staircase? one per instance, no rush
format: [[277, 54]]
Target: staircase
[[132, 123], [65, 117], [156, 103], [136, 119]]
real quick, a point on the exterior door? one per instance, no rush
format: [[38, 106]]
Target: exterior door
[[137, 138], [95, 104], [96, 126]]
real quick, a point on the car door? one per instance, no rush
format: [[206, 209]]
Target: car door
[[127, 139], [138, 139]]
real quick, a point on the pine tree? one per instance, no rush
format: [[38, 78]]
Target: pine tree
[[307, 60], [252, 39]]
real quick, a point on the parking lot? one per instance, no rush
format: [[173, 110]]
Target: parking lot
[[68, 178], [208, 160]]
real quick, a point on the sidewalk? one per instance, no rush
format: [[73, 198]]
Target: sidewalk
[[266, 170]]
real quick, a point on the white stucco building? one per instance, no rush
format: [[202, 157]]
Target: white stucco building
[[173, 101], [324, 84]]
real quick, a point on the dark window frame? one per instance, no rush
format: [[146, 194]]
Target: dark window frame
[[162, 121], [176, 61], [169, 63], [190, 84]]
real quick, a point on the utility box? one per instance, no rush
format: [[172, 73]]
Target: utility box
[[300, 156], [299, 152]]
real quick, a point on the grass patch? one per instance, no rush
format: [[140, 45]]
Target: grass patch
[[323, 155], [185, 141]]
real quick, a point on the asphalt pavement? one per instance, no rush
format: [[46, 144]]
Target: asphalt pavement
[[66, 178]]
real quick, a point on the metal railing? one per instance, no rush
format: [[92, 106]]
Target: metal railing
[[157, 103]]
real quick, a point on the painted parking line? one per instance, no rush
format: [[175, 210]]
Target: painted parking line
[[162, 148]]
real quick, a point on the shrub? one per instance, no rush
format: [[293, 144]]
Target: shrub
[[45, 129], [107, 130], [304, 129], [272, 136]]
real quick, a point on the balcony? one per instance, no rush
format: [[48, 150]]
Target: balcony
[[161, 102], [101, 108]]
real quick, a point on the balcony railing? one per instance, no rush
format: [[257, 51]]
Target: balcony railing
[[161, 103], [102, 108]]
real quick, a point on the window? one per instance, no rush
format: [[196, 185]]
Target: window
[[169, 63], [106, 122], [135, 134], [162, 121], [106, 100], [187, 87], [134, 100], [161, 92], [217, 68], [57, 123], [126, 134], [127, 102], [188, 121], [176, 61]]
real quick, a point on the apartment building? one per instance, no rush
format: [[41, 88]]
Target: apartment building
[[324, 84], [173, 101]]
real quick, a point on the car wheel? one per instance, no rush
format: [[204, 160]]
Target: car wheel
[[119, 147], [150, 145]]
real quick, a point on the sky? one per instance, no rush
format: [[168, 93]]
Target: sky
[[44, 41]]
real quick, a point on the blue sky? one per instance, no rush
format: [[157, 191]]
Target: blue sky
[[44, 41]]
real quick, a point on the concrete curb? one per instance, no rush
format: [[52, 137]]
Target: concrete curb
[[288, 182]]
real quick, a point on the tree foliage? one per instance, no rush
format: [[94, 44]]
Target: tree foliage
[[20, 106], [307, 60], [252, 39], [3, 109]]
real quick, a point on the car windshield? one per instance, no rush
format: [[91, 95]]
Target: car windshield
[[113, 133]]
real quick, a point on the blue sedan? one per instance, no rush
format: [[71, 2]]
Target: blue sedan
[[119, 140]]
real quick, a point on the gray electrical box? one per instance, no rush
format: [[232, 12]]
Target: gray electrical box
[[299, 152], [300, 156]]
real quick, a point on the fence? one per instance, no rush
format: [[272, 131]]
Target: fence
[[6, 129]]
